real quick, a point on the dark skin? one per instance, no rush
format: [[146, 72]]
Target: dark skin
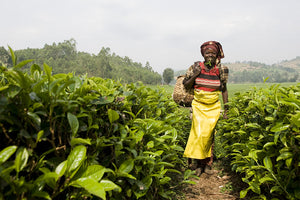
[[210, 57]]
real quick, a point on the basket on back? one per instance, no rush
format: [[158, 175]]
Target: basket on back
[[181, 95]]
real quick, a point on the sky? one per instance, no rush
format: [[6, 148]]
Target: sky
[[166, 33]]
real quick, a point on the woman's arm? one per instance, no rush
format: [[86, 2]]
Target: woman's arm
[[189, 82], [225, 100]]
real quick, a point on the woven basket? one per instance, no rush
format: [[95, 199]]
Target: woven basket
[[180, 95]]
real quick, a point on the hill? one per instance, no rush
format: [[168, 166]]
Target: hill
[[294, 63], [255, 72], [64, 58]]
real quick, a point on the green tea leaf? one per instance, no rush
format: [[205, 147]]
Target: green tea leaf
[[284, 156], [279, 127], [34, 68], [50, 178], [150, 144], [165, 180], [76, 157], [13, 56], [48, 71], [74, 124], [6, 153], [41, 194], [90, 185], [39, 135], [109, 185], [35, 118], [252, 154], [276, 136], [127, 166], [243, 193], [61, 168], [147, 181], [21, 159], [22, 63], [122, 174], [3, 88], [296, 119], [75, 141], [288, 162], [255, 187], [94, 172], [269, 118], [275, 189], [268, 163], [112, 115], [266, 179], [269, 144]]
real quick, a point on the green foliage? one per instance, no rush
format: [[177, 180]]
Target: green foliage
[[262, 138], [64, 58], [77, 137]]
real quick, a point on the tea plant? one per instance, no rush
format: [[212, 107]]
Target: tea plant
[[73, 137], [262, 138]]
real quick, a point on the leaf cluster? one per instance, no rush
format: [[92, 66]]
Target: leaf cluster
[[77, 137], [262, 139]]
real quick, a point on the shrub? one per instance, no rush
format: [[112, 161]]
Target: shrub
[[70, 137], [262, 138]]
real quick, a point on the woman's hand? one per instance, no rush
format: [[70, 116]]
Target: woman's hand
[[196, 70]]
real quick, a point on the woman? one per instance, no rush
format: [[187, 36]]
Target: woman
[[209, 79]]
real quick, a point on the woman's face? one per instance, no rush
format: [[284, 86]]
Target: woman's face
[[210, 56]]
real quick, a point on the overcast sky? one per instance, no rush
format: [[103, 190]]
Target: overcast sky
[[167, 33]]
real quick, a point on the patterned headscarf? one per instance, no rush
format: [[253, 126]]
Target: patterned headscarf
[[216, 46]]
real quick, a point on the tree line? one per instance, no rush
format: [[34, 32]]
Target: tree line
[[275, 74], [64, 58], [258, 72]]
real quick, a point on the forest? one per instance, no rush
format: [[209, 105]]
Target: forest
[[64, 58]]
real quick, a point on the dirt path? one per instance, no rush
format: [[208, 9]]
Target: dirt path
[[223, 184]]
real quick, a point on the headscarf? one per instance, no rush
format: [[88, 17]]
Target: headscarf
[[216, 46]]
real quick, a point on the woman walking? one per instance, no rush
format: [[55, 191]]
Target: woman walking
[[208, 79]]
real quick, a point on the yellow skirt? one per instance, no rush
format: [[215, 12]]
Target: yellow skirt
[[206, 111]]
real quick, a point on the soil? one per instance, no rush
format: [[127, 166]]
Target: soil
[[222, 184]]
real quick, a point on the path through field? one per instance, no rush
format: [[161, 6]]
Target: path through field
[[223, 184]]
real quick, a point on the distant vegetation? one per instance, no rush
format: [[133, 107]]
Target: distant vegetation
[[64, 58], [255, 72]]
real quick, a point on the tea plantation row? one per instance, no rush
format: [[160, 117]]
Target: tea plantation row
[[69, 137]]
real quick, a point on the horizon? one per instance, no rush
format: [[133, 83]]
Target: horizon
[[167, 34], [175, 70]]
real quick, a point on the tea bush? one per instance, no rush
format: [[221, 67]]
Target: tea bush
[[262, 139], [74, 137]]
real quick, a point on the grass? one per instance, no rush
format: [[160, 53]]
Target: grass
[[235, 88], [232, 88]]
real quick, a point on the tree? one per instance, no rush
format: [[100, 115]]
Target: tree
[[4, 56], [64, 58], [148, 66], [168, 75]]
